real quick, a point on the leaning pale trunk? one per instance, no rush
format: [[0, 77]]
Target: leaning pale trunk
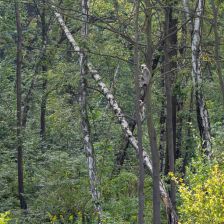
[[202, 112], [120, 116], [88, 147]]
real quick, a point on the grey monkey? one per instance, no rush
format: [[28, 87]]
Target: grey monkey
[[144, 79]]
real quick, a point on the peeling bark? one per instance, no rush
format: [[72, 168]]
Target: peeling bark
[[202, 112], [120, 116]]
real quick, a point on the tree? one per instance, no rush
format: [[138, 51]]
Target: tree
[[149, 117], [121, 118], [23, 204], [217, 48], [88, 146], [168, 87], [202, 112], [138, 117], [44, 71]]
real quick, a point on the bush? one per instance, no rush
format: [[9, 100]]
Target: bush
[[202, 201], [4, 217]]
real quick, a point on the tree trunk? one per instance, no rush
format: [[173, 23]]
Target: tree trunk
[[188, 135], [44, 70], [217, 46], [138, 118], [88, 147], [150, 125], [162, 122], [121, 154], [169, 104], [120, 116], [178, 151], [202, 112], [23, 204]]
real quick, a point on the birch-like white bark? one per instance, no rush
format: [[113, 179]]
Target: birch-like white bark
[[120, 116], [202, 112], [88, 147]]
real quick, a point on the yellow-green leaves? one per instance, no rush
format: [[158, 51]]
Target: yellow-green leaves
[[204, 202], [4, 217]]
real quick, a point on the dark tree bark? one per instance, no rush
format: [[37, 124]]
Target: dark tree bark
[[43, 105], [138, 118], [23, 204], [179, 121], [122, 153], [168, 89], [149, 117], [26, 105], [217, 48], [162, 122], [188, 135], [28, 97]]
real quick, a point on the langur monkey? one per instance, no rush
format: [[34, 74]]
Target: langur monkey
[[144, 79]]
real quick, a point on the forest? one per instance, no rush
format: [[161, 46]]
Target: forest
[[111, 111]]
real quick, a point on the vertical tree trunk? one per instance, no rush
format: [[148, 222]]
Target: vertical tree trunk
[[138, 119], [217, 46], [120, 116], [174, 120], [202, 112], [43, 107], [149, 117], [23, 204], [168, 90], [88, 147], [26, 105], [182, 51], [188, 135], [162, 121], [178, 151], [44, 70], [173, 68]]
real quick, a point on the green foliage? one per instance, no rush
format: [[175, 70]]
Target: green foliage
[[202, 197], [4, 217], [55, 172]]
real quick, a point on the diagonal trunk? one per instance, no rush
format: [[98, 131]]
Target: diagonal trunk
[[120, 116]]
